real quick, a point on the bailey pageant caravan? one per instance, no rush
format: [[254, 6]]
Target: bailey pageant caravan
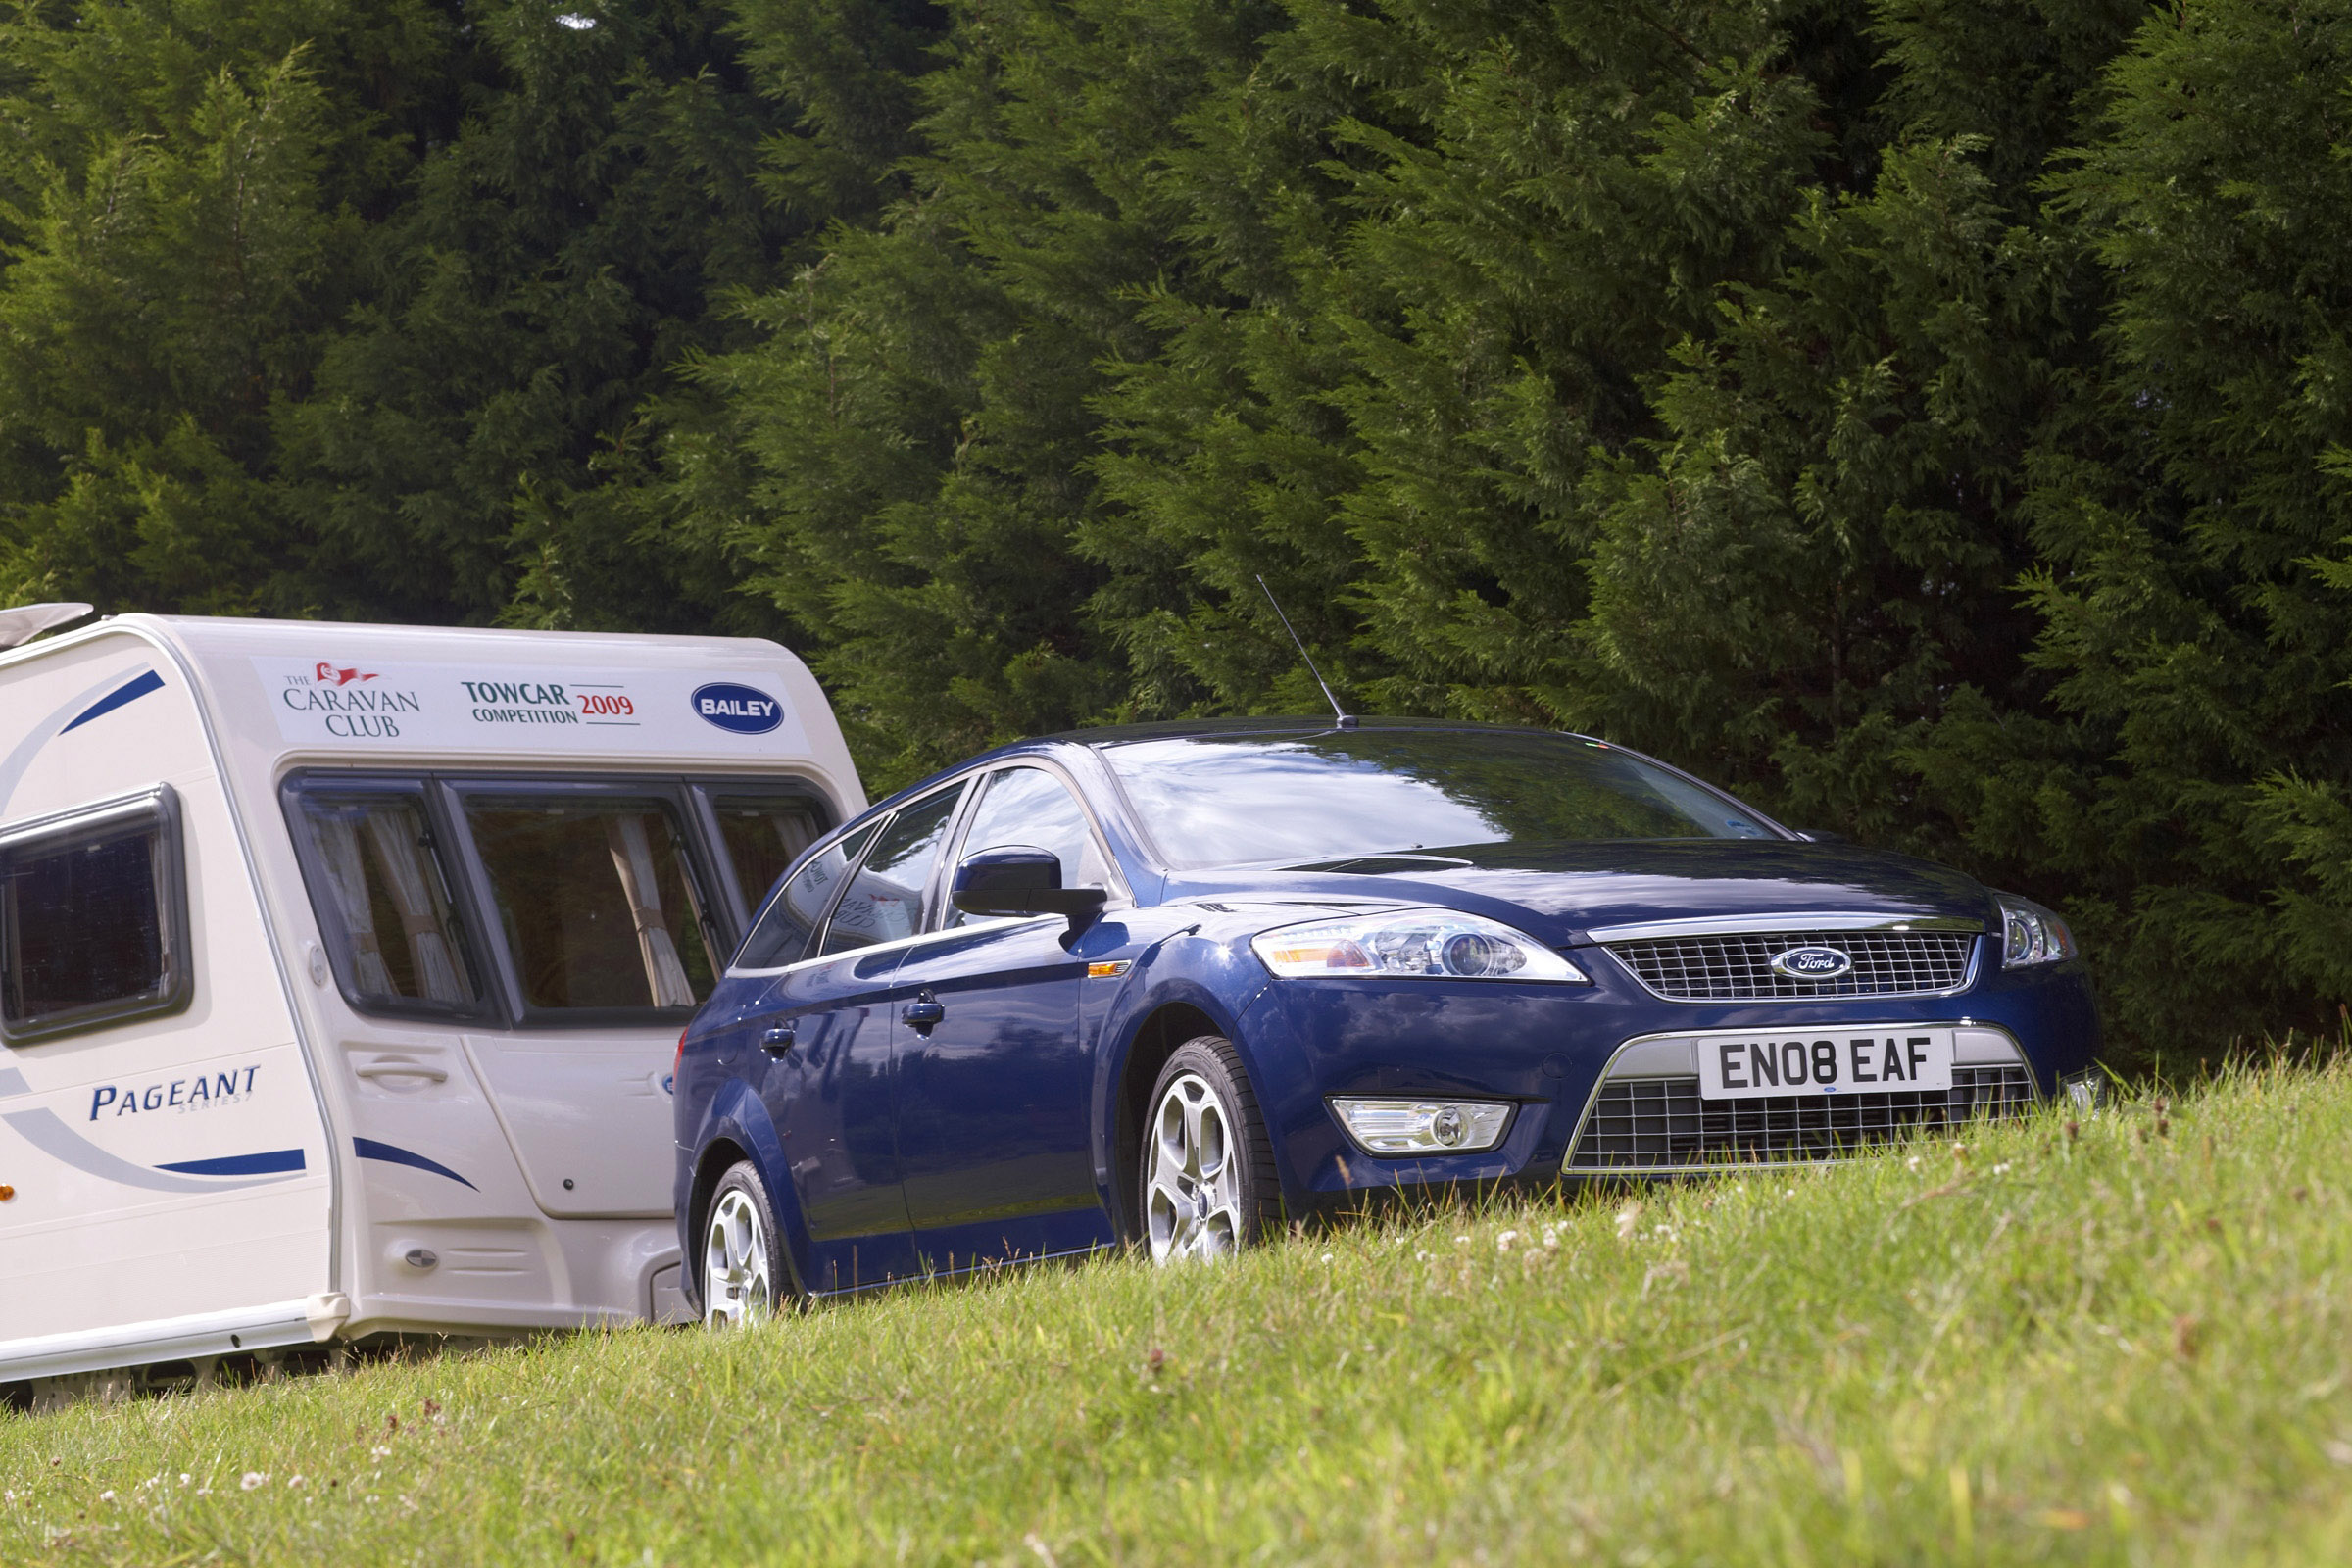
[[342, 969]]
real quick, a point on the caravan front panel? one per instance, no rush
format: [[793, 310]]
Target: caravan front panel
[[163, 1135]]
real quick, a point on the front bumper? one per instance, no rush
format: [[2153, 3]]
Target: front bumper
[[1552, 1049]]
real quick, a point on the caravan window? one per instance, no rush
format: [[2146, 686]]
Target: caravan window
[[762, 835], [596, 896], [93, 918], [383, 902]]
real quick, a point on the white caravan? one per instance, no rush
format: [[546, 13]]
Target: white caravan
[[342, 969]]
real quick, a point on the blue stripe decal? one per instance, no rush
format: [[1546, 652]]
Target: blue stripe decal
[[276, 1159], [128, 692], [393, 1155]]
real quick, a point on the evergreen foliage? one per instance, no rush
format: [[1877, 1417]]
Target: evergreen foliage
[[1929, 416]]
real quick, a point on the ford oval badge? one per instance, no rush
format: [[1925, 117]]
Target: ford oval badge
[[742, 708], [1813, 963]]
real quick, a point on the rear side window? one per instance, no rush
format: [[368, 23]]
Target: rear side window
[[885, 899], [381, 897], [764, 834], [93, 918], [597, 899], [781, 935]]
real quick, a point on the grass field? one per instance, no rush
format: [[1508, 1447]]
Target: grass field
[[2133, 1344]]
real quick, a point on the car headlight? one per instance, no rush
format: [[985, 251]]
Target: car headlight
[[1412, 944], [2031, 934]]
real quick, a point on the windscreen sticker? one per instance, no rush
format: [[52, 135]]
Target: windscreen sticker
[[494, 706]]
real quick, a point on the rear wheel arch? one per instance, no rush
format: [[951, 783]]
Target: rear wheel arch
[[718, 1157]]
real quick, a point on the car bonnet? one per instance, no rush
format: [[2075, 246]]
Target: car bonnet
[[1559, 893]]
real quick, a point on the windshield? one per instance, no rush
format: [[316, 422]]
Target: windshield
[[1297, 800]]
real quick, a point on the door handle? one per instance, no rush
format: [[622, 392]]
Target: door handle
[[775, 1042], [401, 1069], [924, 1012]]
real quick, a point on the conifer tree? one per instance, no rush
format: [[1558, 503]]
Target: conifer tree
[[184, 206], [2190, 509]]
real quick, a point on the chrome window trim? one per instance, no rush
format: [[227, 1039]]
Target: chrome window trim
[[846, 954], [1726, 925], [1669, 1036]]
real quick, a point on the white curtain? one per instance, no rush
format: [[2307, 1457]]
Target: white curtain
[[404, 874], [347, 872], [796, 830], [633, 859]]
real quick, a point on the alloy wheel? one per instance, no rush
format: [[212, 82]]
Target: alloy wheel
[[736, 1287], [1193, 1192]]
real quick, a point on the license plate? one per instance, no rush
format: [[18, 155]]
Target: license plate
[[1823, 1061]]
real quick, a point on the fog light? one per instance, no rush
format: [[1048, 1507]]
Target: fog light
[[1424, 1126]]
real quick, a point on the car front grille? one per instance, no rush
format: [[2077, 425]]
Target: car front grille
[[1662, 1123], [1737, 967]]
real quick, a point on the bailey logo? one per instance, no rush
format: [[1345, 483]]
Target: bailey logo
[[1813, 963], [742, 708]]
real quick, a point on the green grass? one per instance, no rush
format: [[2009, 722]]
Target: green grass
[[2132, 1345]]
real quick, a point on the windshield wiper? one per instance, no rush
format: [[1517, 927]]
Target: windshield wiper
[[1345, 863]]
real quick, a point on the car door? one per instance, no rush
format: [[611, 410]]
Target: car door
[[821, 1054], [993, 1098]]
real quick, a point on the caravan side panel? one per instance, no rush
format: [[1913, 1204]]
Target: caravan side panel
[[167, 1166]]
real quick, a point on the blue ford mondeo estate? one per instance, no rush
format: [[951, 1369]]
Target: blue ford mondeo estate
[[1176, 985]]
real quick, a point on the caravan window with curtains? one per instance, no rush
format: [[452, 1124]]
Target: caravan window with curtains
[[379, 888], [596, 897]]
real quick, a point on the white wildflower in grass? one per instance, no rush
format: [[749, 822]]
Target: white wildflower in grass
[[379, 1452], [108, 1495], [1461, 1241], [1912, 1163], [1627, 1218], [252, 1479], [1503, 1242], [2002, 1169], [1420, 1255], [185, 1478], [297, 1481], [1326, 1257]]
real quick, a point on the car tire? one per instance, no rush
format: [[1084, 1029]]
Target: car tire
[[1205, 1169], [742, 1262]]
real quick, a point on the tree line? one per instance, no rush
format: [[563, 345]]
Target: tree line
[[1932, 419]]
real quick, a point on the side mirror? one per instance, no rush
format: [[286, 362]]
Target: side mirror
[[1018, 879]]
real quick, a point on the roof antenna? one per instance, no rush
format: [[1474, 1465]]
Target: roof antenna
[[1346, 719]]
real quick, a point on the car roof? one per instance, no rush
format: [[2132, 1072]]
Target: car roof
[[1104, 736], [1272, 724]]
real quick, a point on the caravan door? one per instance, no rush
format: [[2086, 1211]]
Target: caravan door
[[562, 930]]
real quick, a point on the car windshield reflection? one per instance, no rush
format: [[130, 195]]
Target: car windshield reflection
[[1353, 795]]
